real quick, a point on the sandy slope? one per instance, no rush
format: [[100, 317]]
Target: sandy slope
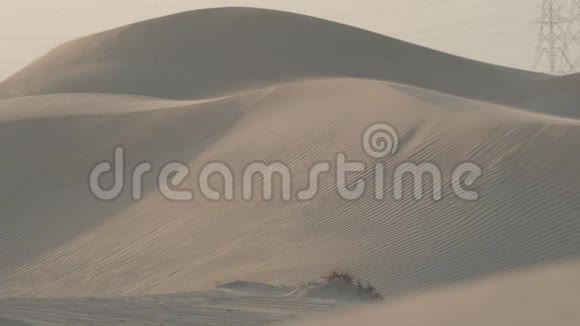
[[242, 94], [8, 322], [540, 296], [546, 296], [236, 303], [207, 308], [68, 243], [215, 51]]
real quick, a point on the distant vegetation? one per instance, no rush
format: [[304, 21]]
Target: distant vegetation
[[364, 288]]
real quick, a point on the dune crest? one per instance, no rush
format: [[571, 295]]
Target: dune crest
[[214, 52]]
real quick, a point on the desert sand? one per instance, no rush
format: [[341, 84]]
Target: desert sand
[[547, 296], [239, 85]]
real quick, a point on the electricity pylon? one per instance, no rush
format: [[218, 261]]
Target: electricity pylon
[[554, 37], [575, 13]]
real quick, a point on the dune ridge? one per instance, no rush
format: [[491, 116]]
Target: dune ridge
[[222, 50]]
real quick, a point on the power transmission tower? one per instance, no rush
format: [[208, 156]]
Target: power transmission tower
[[554, 37], [575, 13]]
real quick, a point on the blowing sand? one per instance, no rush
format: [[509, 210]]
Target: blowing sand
[[241, 85]]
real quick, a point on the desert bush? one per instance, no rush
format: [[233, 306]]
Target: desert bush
[[363, 288], [339, 276]]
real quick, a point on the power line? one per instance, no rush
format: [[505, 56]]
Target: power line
[[554, 37]]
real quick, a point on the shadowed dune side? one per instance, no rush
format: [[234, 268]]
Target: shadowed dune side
[[213, 52], [50, 143], [557, 96], [70, 244]]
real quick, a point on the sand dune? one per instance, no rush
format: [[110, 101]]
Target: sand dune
[[215, 51], [527, 214], [535, 298], [242, 85]]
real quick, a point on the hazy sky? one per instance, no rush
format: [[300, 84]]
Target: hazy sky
[[496, 31]]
